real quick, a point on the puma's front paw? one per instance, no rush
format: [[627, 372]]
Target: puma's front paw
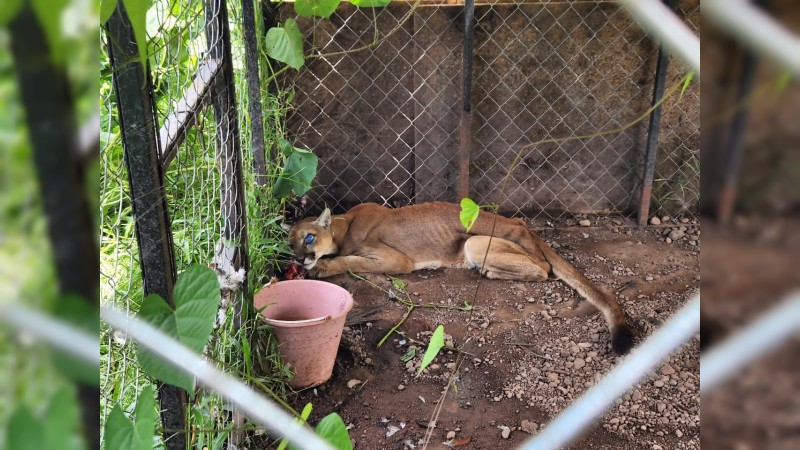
[[320, 269]]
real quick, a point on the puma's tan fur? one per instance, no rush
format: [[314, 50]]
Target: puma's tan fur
[[372, 238]]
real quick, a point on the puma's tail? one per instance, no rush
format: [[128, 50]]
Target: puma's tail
[[621, 335]]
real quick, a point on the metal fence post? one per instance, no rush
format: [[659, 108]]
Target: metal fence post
[[132, 87], [466, 111], [49, 113], [254, 91], [651, 151], [228, 147]]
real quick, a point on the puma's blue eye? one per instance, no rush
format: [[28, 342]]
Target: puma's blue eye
[[309, 239]]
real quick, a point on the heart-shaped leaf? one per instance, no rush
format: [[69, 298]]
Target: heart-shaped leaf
[[107, 8], [297, 174], [319, 8], [196, 297], [136, 434], [137, 13], [469, 213], [333, 431], [285, 44], [9, 10], [370, 3]]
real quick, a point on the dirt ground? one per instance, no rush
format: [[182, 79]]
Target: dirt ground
[[530, 349]]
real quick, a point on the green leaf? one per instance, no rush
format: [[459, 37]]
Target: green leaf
[[107, 8], [49, 14], [333, 430], [286, 147], [686, 83], [297, 174], [145, 414], [370, 3], [399, 284], [62, 422], [9, 10], [120, 432], [77, 312], [306, 412], [196, 297], [319, 8], [783, 82], [409, 354], [24, 431], [137, 13], [436, 344], [285, 44], [469, 213]]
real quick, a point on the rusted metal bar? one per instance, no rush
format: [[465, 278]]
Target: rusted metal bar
[[651, 150], [133, 89], [727, 196], [173, 132], [465, 146], [229, 157]]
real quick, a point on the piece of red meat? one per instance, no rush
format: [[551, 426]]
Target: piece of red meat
[[294, 271]]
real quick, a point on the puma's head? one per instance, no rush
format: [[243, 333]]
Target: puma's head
[[312, 239]]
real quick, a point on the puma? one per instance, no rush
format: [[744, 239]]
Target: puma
[[373, 238]]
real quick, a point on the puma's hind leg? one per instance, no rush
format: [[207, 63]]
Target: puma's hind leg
[[505, 261]]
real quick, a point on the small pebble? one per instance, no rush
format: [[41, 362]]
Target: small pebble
[[655, 221], [505, 431], [451, 435], [353, 383], [585, 223]]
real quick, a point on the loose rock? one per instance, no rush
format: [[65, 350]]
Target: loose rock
[[655, 221], [505, 431], [353, 383], [529, 427]]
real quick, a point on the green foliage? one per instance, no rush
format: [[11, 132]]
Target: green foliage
[[107, 8], [436, 344], [686, 83], [137, 434], [409, 354], [137, 13], [469, 213], [303, 419], [297, 174], [56, 429], [49, 14], [370, 3], [398, 283], [9, 10], [285, 44], [79, 313], [196, 297], [319, 8], [333, 430], [783, 81]]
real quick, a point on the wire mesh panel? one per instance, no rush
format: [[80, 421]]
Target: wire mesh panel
[[385, 119], [194, 107], [676, 185]]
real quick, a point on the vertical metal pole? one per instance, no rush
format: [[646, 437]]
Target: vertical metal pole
[[727, 196], [651, 150], [229, 156], [49, 114], [132, 87], [254, 91], [466, 112]]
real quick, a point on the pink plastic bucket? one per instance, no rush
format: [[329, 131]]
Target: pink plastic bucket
[[307, 317]]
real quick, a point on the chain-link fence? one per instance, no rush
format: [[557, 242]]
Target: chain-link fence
[[386, 122], [197, 194]]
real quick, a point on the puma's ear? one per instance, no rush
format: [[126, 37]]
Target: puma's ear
[[324, 219]]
